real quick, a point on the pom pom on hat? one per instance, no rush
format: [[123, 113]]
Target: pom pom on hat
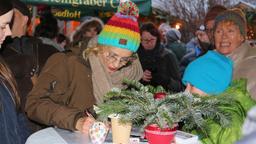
[[211, 73], [122, 30], [128, 8]]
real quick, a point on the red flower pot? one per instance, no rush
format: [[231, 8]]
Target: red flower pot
[[155, 135], [159, 95]]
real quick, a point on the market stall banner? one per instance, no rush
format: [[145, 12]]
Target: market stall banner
[[75, 9]]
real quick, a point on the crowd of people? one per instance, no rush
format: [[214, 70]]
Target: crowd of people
[[51, 80]]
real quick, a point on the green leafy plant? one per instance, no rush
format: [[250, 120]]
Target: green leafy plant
[[137, 104]]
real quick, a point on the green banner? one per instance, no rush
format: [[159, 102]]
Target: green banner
[[75, 9]]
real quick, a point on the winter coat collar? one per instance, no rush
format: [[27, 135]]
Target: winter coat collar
[[240, 53]]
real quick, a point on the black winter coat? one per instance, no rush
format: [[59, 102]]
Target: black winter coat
[[25, 57], [164, 67]]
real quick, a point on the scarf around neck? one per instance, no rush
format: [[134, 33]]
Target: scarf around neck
[[104, 81]]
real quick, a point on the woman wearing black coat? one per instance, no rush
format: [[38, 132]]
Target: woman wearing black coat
[[160, 65]]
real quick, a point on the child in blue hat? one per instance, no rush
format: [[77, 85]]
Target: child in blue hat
[[209, 74]]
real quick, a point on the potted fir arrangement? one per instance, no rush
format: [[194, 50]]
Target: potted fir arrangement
[[160, 116]]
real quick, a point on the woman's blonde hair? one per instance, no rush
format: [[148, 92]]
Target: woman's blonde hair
[[9, 80], [98, 49]]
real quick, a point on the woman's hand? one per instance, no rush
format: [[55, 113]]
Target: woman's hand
[[147, 76], [83, 124], [87, 124]]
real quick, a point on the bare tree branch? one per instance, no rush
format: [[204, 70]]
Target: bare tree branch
[[191, 12]]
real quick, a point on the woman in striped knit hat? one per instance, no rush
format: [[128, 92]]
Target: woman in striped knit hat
[[69, 85]]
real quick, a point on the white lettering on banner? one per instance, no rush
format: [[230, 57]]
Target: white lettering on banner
[[68, 14], [75, 3], [112, 4]]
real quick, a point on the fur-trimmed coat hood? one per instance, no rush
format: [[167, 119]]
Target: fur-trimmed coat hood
[[81, 26]]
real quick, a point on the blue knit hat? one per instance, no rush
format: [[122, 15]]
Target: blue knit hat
[[211, 73]]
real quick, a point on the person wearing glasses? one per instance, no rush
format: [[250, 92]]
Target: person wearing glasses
[[159, 64], [69, 85], [209, 20]]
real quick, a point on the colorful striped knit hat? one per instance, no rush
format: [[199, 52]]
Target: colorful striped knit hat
[[122, 30]]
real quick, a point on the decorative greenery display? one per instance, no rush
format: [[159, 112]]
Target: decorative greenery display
[[137, 104]]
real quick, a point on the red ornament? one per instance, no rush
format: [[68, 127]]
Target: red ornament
[[159, 95]]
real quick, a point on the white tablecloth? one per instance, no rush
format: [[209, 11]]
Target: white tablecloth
[[60, 136], [57, 136]]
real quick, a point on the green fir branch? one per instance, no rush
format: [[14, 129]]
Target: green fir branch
[[136, 104]]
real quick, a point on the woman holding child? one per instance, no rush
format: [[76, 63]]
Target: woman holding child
[[212, 73]]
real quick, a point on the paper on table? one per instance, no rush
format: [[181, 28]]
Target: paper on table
[[71, 137], [61, 136], [48, 135]]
